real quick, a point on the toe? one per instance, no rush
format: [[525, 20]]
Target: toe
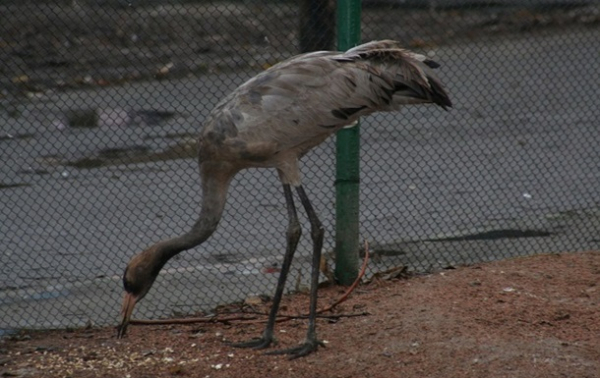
[[259, 343]]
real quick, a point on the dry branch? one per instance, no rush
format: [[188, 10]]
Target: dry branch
[[280, 318]]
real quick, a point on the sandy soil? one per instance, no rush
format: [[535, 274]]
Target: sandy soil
[[528, 317]]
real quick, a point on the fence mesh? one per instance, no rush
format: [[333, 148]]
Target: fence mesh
[[101, 102]]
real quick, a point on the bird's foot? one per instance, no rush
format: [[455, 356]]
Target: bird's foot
[[308, 347], [121, 331], [257, 343]]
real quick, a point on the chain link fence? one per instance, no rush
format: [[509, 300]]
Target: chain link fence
[[101, 102]]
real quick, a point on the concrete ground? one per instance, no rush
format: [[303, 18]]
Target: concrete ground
[[512, 169]]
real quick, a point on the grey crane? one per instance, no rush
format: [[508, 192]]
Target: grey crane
[[271, 121]]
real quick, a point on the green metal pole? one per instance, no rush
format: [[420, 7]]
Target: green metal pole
[[347, 166]]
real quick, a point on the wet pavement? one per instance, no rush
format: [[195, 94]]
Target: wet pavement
[[90, 177]]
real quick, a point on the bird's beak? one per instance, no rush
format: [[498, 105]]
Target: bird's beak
[[129, 301]]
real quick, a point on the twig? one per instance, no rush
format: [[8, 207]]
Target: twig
[[280, 318], [285, 318], [344, 297], [212, 319]]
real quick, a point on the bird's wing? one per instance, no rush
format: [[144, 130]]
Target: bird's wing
[[330, 89], [297, 103], [411, 74]]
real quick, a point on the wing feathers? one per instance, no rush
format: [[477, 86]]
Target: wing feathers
[[307, 97], [412, 73]]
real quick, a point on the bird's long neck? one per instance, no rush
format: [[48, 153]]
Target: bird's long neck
[[215, 182]]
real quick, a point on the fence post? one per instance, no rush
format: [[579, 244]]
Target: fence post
[[347, 163]]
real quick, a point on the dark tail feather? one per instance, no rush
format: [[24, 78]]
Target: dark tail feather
[[431, 63], [438, 94]]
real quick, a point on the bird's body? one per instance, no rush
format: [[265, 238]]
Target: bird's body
[[271, 121], [280, 114]]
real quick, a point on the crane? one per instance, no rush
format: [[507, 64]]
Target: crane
[[271, 121]]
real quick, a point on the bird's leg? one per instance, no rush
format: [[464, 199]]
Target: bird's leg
[[311, 343], [293, 235]]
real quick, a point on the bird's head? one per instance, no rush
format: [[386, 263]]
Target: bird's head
[[139, 276]]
